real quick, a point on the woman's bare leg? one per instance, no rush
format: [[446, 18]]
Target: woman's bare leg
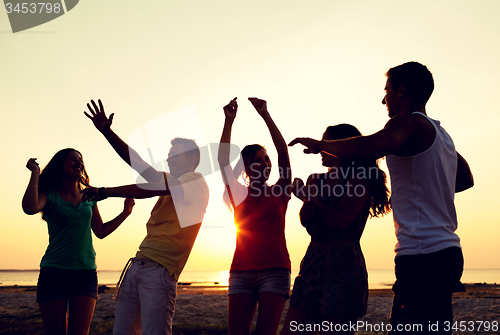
[[240, 313], [54, 316], [271, 307], [81, 310]]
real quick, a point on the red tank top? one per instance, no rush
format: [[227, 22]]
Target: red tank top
[[260, 236]]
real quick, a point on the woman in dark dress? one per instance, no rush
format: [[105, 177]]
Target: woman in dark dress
[[332, 285]]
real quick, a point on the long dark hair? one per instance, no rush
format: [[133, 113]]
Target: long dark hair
[[241, 168], [51, 176], [380, 203]]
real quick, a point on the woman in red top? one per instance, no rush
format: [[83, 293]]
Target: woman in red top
[[260, 271]]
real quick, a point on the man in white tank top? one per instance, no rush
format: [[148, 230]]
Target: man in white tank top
[[426, 172]]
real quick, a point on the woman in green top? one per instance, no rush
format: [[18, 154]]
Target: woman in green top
[[67, 270]]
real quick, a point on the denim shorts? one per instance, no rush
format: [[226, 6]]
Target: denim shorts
[[60, 284], [253, 282]]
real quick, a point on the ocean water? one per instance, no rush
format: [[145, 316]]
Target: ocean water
[[376, 278]]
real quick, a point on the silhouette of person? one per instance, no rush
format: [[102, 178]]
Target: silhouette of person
[[260, 270], [146, 297], [425, 172], [68, 270], [332, 285]]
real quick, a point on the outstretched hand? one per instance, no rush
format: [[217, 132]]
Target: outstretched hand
[[259, 105], [32, 165], [98, 117], [312, 145], [230, 109]]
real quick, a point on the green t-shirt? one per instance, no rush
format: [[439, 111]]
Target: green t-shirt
[[70, 238]]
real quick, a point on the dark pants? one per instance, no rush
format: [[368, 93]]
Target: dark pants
[[423, 289]]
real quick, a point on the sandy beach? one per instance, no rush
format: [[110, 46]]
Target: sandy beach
[[208, 305]]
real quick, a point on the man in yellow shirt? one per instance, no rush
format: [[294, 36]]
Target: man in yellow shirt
[[147, 295]]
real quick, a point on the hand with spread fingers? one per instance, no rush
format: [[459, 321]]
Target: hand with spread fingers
[[98, 116], [312, 145]]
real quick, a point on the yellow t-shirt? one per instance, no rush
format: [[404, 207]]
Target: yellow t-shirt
[[174, 223]]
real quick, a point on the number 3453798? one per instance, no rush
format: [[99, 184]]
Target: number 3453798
[[471, 326], [33, 8]]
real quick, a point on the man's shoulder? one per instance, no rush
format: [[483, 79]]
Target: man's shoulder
[[409, 121], [417, 130]]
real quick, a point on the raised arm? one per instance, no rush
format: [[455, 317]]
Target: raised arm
[[278, 140], [33, 202], [129, 155], [100, 229], [225, 144], [464, 180]]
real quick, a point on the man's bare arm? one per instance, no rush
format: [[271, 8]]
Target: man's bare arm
[[387, 141], [132, 158], [129, 155]]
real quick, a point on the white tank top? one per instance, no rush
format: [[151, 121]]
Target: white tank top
[[423, 193]]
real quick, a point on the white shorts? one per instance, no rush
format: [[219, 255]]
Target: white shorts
[[146, 301]]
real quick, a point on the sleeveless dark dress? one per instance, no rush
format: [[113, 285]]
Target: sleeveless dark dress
[[333, 280]]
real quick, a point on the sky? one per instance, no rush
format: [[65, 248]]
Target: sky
[[166, 68]]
